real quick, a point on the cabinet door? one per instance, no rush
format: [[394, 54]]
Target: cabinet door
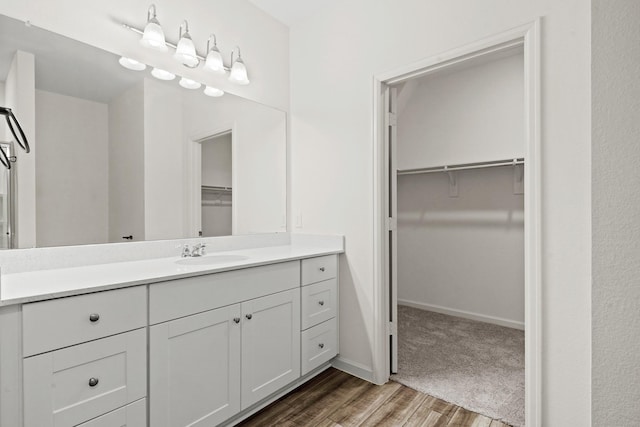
[[270, 344], [194, 367]]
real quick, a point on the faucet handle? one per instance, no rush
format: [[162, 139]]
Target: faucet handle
[[186, 251]]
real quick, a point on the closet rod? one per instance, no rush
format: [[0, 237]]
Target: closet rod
[[215, 188], [464, 166]]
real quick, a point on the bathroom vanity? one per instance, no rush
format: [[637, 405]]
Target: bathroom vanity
[[165, 342]]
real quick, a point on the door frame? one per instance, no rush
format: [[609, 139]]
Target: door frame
[[527, 36], [193, 176]]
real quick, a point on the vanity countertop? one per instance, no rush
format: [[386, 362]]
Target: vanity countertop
[[40, 285]]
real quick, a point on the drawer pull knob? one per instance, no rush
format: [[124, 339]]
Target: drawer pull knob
[[236, 319], [249, 316], [321, 345], [321, 302], [94, 317], [321, 268], [93, 382]]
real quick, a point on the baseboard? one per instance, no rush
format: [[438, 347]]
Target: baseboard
[[353, 368], [464, 314]]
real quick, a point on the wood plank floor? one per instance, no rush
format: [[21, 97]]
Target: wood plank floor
[[337, 399]]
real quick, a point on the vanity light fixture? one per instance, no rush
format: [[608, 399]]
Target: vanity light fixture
[[189, 84], [153, 36], [214, 61], [238, 73], [186, 50], [213, 91], [162, 74], [132, 64]]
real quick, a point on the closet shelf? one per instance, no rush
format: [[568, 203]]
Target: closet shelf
[[463, 166], [216, 189]]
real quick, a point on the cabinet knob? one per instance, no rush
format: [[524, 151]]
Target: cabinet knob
[[321, 268], [321, 345], [321, 302], [94, 317], [236, 319], [93, 382], [249, 316]]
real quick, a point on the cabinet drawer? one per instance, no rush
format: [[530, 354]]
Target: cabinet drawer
[[54, 324], [319, 345], [184, 297], [133, 415], [70, 386], [319, 269], [319, 302]]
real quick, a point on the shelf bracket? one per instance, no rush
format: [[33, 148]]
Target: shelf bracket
[[518, 177], [453, 182]]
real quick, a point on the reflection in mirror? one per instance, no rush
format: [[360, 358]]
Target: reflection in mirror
[[120, 156]]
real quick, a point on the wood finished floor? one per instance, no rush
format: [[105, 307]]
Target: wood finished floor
[[337, 399]]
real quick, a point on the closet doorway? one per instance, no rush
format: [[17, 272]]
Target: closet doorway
[[216, 185], [458, 240]]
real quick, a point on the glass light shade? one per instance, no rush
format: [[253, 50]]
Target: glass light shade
[[162, 74], [214, 61], [131, 64], [213, 91], [186, 51], [189, 84], [153, 36], [238, 73]]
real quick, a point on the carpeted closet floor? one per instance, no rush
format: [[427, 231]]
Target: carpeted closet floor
[[476, 365]]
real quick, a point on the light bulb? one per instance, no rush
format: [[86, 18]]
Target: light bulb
[[186, 50], [189, 84], [162, 74], [214, 61], [131, 64], [153, 36], [213, 91]]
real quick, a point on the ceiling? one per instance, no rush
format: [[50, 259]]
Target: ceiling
[[290, 12]]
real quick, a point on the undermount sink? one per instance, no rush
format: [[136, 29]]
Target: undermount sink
[[210, 259]]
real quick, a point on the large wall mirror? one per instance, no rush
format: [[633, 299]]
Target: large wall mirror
[[118, 155]]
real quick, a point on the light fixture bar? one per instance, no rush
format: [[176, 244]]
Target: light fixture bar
[[168, 43]]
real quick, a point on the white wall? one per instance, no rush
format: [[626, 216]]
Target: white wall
[[471, 115], [163, 158], [126, 165], [334, 56], [462, 255], [20, 97], [263, 40], [616, 204], [259, 156], [72, 174]]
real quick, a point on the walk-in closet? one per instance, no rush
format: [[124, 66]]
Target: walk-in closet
[[216, 198], [460, 159]]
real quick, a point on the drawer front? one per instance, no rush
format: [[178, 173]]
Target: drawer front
[[70, 386], [184, 297], [319, 269], [319, 302], [133, 415], [319, 345], [54, 324]]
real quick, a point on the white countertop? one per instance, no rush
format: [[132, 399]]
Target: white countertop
[[40, 285]]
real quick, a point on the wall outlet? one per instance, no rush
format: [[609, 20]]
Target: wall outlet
[[299, 220]]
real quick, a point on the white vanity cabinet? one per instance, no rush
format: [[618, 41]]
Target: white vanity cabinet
[[81, 374], [207, 366], [204, 350]]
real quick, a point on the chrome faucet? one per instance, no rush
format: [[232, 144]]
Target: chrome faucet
[[196, 251]]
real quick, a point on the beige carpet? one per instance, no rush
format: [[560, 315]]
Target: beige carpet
[[476, 365]]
